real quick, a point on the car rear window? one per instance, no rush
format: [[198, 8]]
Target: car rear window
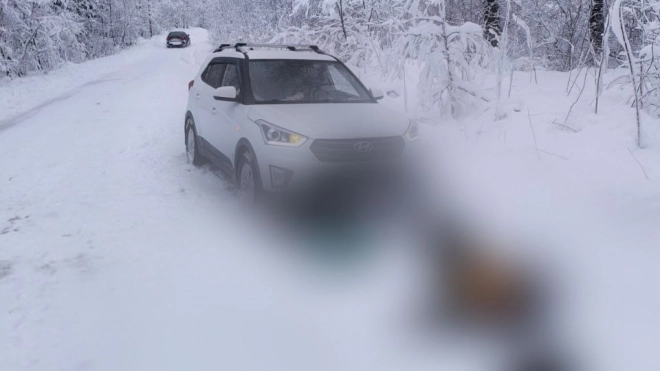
[[176, 34]]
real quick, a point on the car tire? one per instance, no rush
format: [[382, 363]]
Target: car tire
[[192, 143], [248, 179]]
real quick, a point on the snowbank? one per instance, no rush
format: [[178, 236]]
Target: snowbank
[[20, 95]]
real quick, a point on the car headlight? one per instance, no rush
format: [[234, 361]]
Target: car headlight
[[279, 137], [413, 131]]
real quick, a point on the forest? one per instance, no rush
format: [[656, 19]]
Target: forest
[[453, 43]]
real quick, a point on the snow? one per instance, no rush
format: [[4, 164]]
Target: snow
[[581, 197], [647, 52], [19, 96], [115, 254], [615, 17], [525, 27], [467, 27]]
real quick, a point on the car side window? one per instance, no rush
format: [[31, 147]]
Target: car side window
[[231, 77], [213, 74]]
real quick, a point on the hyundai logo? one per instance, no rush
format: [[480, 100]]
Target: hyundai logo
[[363, 147]]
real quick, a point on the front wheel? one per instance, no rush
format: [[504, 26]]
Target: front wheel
[[192, 147], [248, 180]]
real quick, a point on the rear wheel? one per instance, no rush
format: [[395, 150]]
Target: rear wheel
[[192, 147]]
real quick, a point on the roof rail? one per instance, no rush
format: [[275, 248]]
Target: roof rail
[[240, 47], [222, 47]]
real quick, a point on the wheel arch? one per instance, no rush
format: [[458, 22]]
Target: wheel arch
[[242, 146]]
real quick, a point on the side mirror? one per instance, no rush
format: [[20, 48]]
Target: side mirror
[[225, 93], [377, 93]]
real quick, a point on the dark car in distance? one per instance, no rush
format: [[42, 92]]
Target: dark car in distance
[[178, 39]]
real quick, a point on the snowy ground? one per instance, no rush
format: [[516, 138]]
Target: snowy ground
[[115, 254], [585, 196]]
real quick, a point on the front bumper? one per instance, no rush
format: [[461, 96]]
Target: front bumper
[[293, 169], [296, 162]]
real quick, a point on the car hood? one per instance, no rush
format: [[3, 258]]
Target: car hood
[[333, 120]]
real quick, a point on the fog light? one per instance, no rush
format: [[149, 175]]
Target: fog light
[[279, 177]]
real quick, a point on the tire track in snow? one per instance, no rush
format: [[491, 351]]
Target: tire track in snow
[[21, 117]]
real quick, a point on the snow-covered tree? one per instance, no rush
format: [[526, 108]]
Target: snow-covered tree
[[451, 41], [385, 35], [37, 35]]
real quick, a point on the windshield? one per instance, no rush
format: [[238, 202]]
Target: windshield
[[299, 81]]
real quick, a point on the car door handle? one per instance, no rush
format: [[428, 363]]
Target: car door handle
[[197, 95], [213, 110]]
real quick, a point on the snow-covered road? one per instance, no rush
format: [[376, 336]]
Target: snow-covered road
[[93, 187], [115, 254]]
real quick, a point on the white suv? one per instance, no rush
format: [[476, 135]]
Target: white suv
[[274, 114]]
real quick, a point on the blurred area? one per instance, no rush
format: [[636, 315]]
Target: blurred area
[[476, 286]]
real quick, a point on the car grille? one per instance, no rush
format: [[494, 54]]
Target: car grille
[[358, 150]]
